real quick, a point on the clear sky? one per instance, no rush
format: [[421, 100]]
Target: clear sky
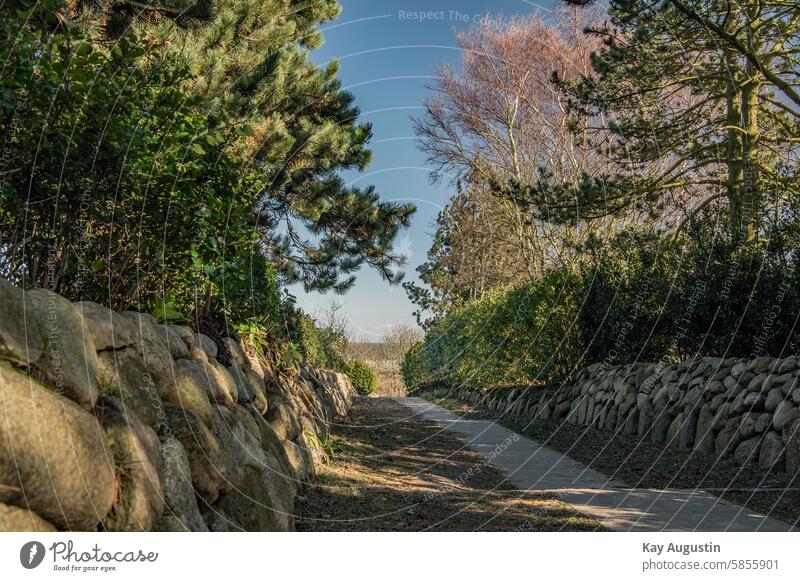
[[388, 51]]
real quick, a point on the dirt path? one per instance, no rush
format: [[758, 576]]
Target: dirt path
[[394, 472]]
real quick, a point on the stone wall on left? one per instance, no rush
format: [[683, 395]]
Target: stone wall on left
[[111, 421]]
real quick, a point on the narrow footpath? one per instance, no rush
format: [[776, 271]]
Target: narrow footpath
[[533, 467], [393, 470]]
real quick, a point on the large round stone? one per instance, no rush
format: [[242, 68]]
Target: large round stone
[[181, 513], [300, 459], [187, 336], [190, 388], [791, 440], [774, 398], [748, 451], [207, 344], [69, 362], [704, 440], [21, 338], [281, 418], [203, 450], [16, 519], [729, 437], [250, 387], [140, 501], [255, 505], [785, 413], [772, 455], [222, 386], [240, 448], [108, 329], [151, 343], [175, 343], [124, 375], [236, 351], [54, 459], [273, 446], [754, 402]]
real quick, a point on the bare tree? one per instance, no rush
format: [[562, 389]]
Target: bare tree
[[399, 339], [334, 317], [499, 116]]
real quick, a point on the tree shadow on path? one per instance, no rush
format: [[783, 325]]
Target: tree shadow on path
[[394, 472]]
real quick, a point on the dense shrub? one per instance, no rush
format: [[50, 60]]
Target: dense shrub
[[626, 284], [139, 198], [650, 297], [642, 296], [141, 170], [319, 346], [413, 367], [123, 194], [362, 376], [523, 335]]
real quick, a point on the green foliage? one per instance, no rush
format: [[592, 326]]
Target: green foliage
[[700, 100], [413, 368], [184, 160], [473, 252], [319, 346], [166, 312], [118, 16], [650, 298], [642, 296], [288, 357], [250, 65], [132, 193], [361, 375], [325, 443], [254, 333], [693, 109], [526, 334]]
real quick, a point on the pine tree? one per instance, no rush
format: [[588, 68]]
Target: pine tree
[[697, 100], [251, 68], [116, 17]]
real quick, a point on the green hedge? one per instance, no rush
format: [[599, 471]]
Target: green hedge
[[317, 345], [642, 296], [413, 367], [362, 376], [650, 298], [528, 334]]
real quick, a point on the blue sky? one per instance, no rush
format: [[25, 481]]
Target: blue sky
[[388, 51]]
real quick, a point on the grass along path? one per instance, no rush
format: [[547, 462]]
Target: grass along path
[[392, 472]]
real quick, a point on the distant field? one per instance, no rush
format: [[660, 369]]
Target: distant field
[[384, 359]]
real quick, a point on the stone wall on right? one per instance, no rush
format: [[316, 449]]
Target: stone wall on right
[[745, 408]]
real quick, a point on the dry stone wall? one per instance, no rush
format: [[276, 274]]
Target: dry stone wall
[[747, 409], [111, 421]]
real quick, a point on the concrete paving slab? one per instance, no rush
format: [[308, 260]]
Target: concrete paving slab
[[531, 466]]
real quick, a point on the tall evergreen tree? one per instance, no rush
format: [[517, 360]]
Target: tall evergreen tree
[[698, 102], [250, 67], [116, 17]]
